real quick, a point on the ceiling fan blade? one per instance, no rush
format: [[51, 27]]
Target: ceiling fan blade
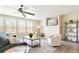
[[29, 13], [23, 14]]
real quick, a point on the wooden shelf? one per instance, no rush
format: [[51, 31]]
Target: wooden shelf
[[71, 36], [71, 23], [71, 31], [71, 27]]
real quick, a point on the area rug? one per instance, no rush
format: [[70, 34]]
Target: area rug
[[44, 48]]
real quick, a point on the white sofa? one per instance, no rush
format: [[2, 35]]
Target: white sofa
[[55, 40]]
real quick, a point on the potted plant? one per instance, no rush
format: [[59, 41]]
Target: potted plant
[[71, 21], [30, 35]]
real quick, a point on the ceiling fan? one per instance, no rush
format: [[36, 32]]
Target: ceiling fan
[[21, 9], [23, 12]]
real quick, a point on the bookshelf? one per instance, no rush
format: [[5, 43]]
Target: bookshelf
[[72, 31]]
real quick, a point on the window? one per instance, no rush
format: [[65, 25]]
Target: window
[[8, 23], [29, 26], [16, 25], [13, 26], [1, 25], [21, 26]]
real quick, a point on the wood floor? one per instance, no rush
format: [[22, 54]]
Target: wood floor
[[68, 47]]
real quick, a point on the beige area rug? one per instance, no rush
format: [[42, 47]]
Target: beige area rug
[[44, 48]]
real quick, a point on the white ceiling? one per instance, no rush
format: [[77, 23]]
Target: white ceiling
[[40, 10]]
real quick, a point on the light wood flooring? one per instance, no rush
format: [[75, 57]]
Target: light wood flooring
[[68, 47]]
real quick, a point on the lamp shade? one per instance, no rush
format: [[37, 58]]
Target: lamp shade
[[38, 26]]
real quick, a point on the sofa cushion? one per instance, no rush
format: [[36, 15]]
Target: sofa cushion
[[12, 39], [3, 39]]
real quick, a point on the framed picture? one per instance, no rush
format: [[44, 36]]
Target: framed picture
[[51, 21]]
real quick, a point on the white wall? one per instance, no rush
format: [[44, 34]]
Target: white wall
[[49, 30]]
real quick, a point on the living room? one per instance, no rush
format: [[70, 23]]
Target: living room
[[39, 28]]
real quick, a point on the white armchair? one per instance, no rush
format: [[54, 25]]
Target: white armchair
[[55, 40]]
